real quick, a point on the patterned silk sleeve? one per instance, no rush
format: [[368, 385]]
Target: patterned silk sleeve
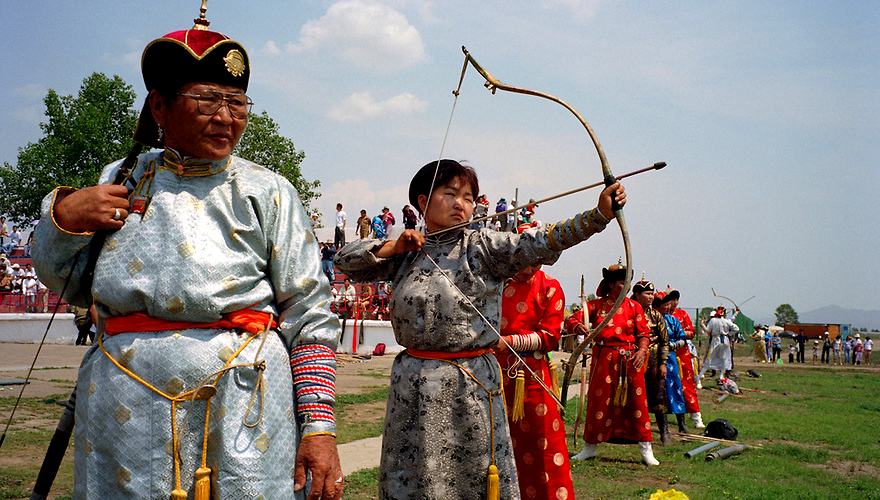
[[659, 333]]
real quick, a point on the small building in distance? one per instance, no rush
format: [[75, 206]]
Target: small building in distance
[[817, 330]]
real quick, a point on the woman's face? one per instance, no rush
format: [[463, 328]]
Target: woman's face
[[191, 133], [451, 204]]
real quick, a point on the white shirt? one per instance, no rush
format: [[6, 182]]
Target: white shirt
[[340, 219]]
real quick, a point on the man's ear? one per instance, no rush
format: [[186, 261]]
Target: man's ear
[[423, 202]]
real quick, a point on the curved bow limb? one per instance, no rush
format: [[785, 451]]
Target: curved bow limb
[[723, 297], [494, 84]]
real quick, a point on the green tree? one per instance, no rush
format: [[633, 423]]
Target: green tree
[[262, 144], [83, 134], [785, 314], [705, 312]]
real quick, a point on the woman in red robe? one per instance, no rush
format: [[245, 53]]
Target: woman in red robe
[[617, 404]]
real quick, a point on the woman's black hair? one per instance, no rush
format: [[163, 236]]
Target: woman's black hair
[[445, 170]]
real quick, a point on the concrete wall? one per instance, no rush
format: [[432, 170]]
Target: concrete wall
[[29, 328]]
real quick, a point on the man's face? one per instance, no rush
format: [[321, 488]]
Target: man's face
[[645, 298], [191, 133]]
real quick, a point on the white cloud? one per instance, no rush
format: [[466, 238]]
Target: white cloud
[[365, 33], [583, 10], [361, 106], [271, 48]]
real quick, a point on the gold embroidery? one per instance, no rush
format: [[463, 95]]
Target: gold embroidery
[[174, 386], [197, 204], [225, 353], [234, 62], [233, 234], [229, 284], [123, 476], [221, 412], [92, 387], [127, 356], [88, 447], [186, 249], [134, 266], [262, 443], [110, 245], [175, 305], [169, 448], [277, 200], [122, 415]]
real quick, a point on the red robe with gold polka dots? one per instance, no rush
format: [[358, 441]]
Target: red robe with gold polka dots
[[605, 420], [535, 309]]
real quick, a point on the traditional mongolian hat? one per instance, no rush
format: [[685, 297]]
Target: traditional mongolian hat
[[672, 293], [610, 275], [193, 55], [643, 286], [660, 298]]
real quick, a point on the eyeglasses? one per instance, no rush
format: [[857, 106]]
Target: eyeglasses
[[239, 105]]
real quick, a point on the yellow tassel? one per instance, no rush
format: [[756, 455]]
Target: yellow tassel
[[554, 378], [623, 392], [203, 484], [493, 489], [519, 397], [178, 494]]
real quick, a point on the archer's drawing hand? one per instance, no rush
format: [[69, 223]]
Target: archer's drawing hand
[[91, 208], [614, 192], [408, 241]]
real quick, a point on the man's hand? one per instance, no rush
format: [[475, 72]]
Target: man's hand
[[639, 358], [615, 192], [408, 241], [318, 455], [91, 208]]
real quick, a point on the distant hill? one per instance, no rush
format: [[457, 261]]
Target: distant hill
[[858, 318]]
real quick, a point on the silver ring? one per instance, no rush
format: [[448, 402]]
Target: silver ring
[[117, 215], [339, 481]]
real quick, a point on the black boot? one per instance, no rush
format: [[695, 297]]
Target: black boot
[[681, 425], [663, 426]]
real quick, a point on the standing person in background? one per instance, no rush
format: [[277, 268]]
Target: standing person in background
[[718, 329], [410, 219], [776, 342], [501, 206], [869, 345], [379, 228], [801, 340], [217, 280], [858, 348], [328, 252], [685, 355], [364, 225], [617, 405], [847, 348], [339, 235], [481, 209], [387, 220], [835, 349], [532, 308], [4, 231], [826, 349], [655, 375]]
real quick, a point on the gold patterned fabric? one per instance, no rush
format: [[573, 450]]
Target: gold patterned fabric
[[215, 237]]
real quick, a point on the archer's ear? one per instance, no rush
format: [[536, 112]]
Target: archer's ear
[[423, 202]]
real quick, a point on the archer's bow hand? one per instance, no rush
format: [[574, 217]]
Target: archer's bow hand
[[612, 193]]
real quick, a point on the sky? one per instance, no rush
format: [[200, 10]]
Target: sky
[[767, 114]]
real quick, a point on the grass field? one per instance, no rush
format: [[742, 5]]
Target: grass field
[[815, 432]]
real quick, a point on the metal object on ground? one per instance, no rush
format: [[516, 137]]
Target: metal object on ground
[[702, 449], [727, 452]]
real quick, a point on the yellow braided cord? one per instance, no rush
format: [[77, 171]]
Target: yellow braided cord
[[519, 395]]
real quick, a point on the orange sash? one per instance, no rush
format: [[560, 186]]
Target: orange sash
[[447, 355], [246, 319]]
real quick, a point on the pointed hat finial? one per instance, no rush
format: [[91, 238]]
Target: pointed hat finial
[[201, 22]]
